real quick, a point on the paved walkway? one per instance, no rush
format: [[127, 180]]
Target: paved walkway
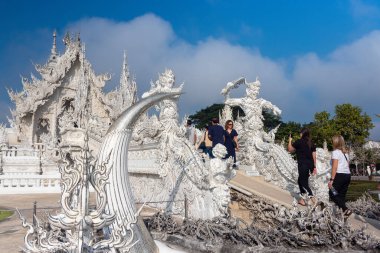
[[258, 186], [11, 232]]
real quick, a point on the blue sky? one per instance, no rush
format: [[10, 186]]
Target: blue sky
[[309, 55]]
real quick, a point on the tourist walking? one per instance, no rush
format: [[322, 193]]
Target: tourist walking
[[340, 174], [306, 158], [231, 141], [216, 133]]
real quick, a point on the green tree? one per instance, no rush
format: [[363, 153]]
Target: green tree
[[203, 117], [270, 120], [322, 128], [352, 124], [287, 128]]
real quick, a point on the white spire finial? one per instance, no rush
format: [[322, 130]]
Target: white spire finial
[[54, 47]]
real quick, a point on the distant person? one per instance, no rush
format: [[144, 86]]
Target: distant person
[[231, 141], [208, 142], [190, 132], [306, 158], [340, 174], [216, 133]]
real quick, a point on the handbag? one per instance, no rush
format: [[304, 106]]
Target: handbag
[[202, 145]]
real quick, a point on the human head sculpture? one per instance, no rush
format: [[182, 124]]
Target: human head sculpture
[[167, 79], [219, 151], [253, 89]]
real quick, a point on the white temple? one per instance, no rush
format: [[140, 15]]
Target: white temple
[[56, 110]]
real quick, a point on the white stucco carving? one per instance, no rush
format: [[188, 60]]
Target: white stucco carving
[[69, 91], [221, 171], [259, 154], [183, 173]]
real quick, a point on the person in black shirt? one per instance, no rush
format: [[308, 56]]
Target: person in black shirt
[[216, 133], [306, 158], [230, 136]]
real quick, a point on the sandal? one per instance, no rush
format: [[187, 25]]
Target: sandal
[[347, 214], [301, 202], [313, 200]]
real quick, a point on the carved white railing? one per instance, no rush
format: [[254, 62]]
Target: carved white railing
[[24, 160], [28, 183], [142, 159], [22, 169]]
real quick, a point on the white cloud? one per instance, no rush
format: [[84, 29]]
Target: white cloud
[[347, 75]]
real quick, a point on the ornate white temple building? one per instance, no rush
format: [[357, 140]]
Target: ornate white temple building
[[55, 109]]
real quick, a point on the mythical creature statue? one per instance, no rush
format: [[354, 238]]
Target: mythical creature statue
[[120, 199], [259, 153], [184, 175], [221, 171]]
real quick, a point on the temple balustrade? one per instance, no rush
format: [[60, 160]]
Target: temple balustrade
[[28, 183], [24, 171]]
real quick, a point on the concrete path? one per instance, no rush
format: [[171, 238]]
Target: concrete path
[[11, 231], [258, 186]]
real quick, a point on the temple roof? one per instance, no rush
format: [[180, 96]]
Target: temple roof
[[37, 91]]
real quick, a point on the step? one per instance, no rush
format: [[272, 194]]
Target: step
[[258, 186]]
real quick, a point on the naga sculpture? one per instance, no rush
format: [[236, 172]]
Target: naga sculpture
[[115, 215]]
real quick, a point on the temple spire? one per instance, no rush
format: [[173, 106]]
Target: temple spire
[[127, 85], [125, 67], [54, 54]]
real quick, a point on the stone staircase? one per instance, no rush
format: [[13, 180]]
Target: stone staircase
[[258, 186]]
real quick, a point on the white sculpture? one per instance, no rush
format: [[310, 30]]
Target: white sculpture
[[221, 171], [183, 175], [260, 153], [115, 213]]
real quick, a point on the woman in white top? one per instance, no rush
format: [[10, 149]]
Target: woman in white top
[[340, 174]]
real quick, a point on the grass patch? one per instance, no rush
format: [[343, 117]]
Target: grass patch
[[5, 214], [357, 188]]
